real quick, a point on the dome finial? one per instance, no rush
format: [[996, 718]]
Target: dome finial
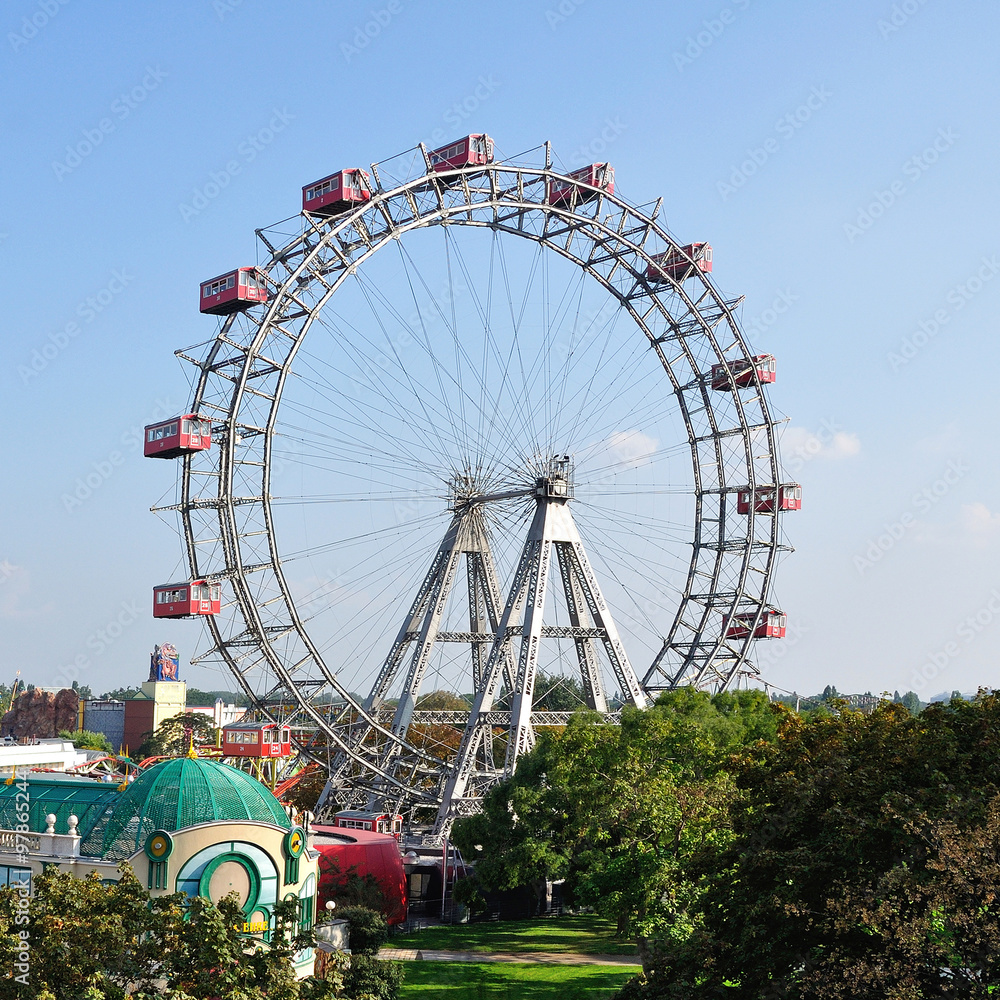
[[192, 753]]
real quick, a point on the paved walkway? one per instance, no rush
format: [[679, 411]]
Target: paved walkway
[[541, 957]]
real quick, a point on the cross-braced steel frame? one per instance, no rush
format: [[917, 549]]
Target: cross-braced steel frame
[[229, 525]]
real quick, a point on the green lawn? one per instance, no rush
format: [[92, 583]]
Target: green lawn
[[585, 935], [458, 980]]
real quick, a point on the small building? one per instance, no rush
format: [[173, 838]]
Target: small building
[[51, 754], [342, 851], [187, 824]]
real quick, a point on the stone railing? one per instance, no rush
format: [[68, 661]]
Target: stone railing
[[11, 840]]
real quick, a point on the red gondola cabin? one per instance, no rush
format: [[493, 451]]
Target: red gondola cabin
[[337, 193], [771, 625], [186, 600], [788, 497], [744, 373], [256, 739], [678, 264], [358, 819], [469, 151], [182, 435], [597, 177], [233, 292]]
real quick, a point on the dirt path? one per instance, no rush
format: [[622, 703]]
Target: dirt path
[[540, 957]]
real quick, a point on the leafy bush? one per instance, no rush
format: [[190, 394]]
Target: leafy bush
[[86, 740], [368, 977], [368, 929]]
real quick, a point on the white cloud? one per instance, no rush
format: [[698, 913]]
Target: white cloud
[[979, 521], [630, 448], [801, 445]]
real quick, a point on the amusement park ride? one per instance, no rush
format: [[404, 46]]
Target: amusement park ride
[[524, 414]]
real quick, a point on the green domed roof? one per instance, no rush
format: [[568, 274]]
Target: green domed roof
[[178, 793]]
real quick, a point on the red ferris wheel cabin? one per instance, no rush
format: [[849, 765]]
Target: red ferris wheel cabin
[[359, 819], [770, 498], [187, 600], [745, 374], [233, 292], [256, 739], [337, 193], [470, 151], [178, 436], [771, 625], [588, 182], [679, 263]]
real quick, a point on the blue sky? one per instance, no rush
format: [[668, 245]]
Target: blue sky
[[842, 159]]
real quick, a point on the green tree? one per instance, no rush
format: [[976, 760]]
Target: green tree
[[863, 862], [615, 809], [173, 736], [91, 941], [84, 739], [556, 693], [121, 694]]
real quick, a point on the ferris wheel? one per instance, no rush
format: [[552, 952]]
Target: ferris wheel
[[476, 443]]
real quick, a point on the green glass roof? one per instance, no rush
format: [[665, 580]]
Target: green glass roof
[[63, 795], [178, 793]]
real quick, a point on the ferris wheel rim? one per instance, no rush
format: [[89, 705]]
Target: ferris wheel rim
[[328, 232]]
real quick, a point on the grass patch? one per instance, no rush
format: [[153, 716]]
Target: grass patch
[[462, 980], [585, 935]]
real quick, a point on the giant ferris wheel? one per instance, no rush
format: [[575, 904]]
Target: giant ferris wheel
[[487, 446]]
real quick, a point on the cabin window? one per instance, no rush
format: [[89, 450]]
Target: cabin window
[[215, 591], [286, 735], [708, 254], [185, 427]]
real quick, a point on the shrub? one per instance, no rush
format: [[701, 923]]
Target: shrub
[[368, 977], [368, 929]]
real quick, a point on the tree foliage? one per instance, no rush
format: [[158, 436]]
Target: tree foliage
[[173, 736], [615, 810], [92, 941], [84, 739], [864, 861]]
